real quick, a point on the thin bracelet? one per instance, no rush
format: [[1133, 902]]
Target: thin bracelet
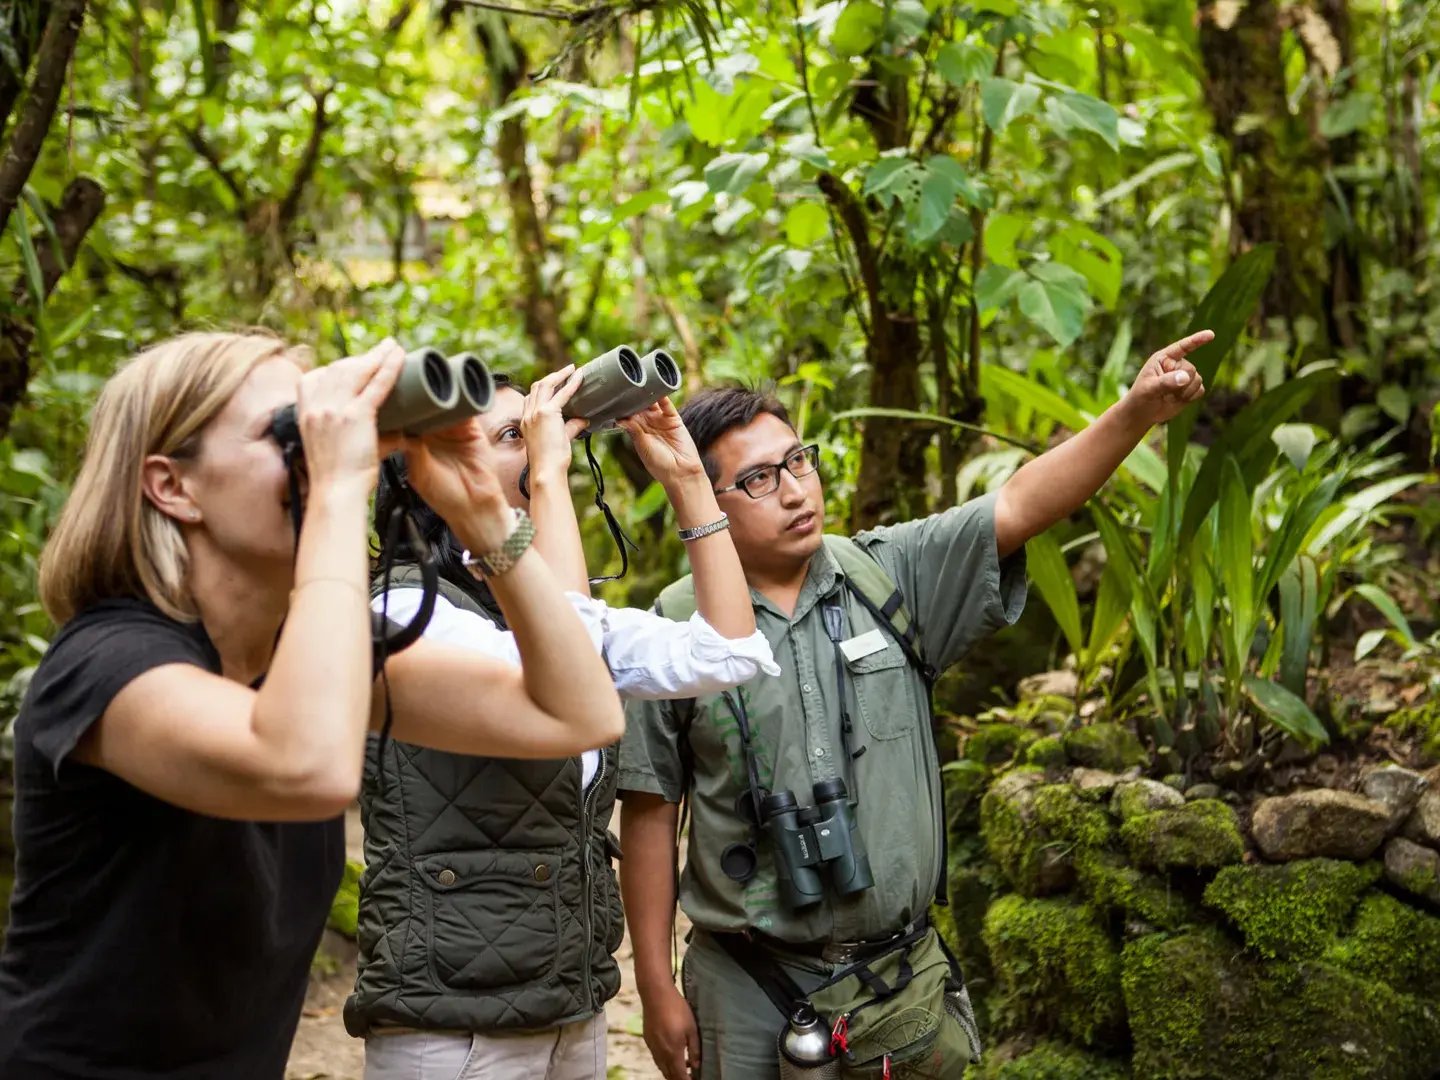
[[364, 595], [702, 531]]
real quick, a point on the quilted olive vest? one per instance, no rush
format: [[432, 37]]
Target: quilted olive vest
[[489, 900]]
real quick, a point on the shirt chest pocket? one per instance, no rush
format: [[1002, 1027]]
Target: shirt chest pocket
[[883, 688]]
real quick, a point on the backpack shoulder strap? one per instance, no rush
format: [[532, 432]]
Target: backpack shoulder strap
[[407, 576], [677, 600], [872, 586]]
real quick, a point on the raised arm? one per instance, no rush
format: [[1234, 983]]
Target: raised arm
[[722, 596], [294, 749], [562, 700], [547, 448], [1060, 481]]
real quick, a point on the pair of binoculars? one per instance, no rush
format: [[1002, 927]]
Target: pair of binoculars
[[622, 383], [433, 391], [811, 839]]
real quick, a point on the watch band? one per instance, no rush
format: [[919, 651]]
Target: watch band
[[494, 563], [701, 531]]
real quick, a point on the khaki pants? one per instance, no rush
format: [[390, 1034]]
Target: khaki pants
[[738, 1024], [573, 1052]]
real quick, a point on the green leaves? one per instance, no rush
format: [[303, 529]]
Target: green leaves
[[858, 28], [1286, 711], [927, 192], [805, 224], [1045, 564], [1004, 100], [1055, 300], [1075, 112], [961, 63], [731, 174]]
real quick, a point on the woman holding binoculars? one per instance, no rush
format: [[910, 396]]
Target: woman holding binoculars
[[193, 734], [489, 911]]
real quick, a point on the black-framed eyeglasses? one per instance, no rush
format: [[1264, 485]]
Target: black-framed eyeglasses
[[765, 479]]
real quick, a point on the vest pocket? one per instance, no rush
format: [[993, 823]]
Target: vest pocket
[[492, 918]]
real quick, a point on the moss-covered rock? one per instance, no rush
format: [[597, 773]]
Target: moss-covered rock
[[1114, 885], [1032, 831], [1055, 968], [970, 897], [1200, 1009], [1394, 943], [1136, 797], [345, 909], [1108, 746], [1413, 867], [1292, 910], [1049, 1061], [965, 782], [1046, 752], [1202, 835], [997, 743]]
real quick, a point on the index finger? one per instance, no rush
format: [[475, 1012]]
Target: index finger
[[1178, 350], [568, 389]]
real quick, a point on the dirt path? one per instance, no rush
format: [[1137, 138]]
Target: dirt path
[[323, 1050]]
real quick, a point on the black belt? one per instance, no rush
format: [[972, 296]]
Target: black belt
[[835, 952]]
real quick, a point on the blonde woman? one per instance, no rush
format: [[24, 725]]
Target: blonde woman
[[196, 729]]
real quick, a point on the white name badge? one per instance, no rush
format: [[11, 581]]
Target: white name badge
[[864, 645]]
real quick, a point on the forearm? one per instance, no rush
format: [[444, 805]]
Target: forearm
[[557, 529], [722, 596], [563, 673], [1060, 481], [313, 708], [647, 877]]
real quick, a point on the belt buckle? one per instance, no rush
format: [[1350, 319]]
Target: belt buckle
[[840, 952]]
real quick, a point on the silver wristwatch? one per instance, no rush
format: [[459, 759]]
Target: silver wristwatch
[[701, 531], [494, 563]]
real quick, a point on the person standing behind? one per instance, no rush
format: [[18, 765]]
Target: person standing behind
[[848, 707], [489, 911]]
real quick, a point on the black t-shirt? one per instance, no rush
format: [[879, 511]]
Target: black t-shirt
[[146, 940]]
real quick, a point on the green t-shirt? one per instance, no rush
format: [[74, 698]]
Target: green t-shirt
[[947, 568]]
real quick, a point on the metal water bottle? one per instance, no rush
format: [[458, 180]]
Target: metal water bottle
[[805, 1048]]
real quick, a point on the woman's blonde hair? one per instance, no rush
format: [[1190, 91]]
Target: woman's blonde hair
[[111, 541]]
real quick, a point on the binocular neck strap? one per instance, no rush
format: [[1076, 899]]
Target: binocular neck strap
[[747, 751], [616, 533], [834, 615]]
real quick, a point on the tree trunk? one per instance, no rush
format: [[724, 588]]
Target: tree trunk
[[1278, 162], [540, 307]]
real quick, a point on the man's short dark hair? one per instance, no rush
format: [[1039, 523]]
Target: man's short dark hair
[[711, 413]]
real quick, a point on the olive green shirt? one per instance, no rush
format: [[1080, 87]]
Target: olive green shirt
[[958, 591]]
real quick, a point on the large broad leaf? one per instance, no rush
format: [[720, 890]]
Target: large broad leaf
[[732, 173], [1076, 112], [1045, 564], [1092, 255], [1286, 711], [997, 285], [893, 178], [1004, 100], [1356, 507], [1246, 435], [1299, 519], [1226, 309], [963, 62], [1299, 608], [806, 223], [1056, 303], [1112, 603], [858, 28], [1001, 232], [1029, 392]]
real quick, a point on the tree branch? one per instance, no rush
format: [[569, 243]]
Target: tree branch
[[79, 206], [23, 38], [52, 60], [852, 214], [205, 150], [291, 202]]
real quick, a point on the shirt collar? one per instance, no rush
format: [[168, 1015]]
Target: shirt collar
[[822, 577]]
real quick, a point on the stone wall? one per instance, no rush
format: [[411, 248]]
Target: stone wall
[[1112, 925]]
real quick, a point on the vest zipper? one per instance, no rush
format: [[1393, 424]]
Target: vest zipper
[[587, 904]]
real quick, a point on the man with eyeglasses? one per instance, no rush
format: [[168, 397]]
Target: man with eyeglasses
[[852, 703]]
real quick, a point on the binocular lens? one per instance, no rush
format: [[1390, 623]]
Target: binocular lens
[[438, 380], [666, 371], [828, 790], [630, 365], [473, 383]]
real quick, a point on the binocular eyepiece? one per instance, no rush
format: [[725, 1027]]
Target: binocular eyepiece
[[433, 391], [810, 839], [622, 383]]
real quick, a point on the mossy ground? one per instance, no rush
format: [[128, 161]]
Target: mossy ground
[[1394, 943], [1050, 1061], [1033, 837], [1056, 968], [1115, 885], [1202, 835], [997, 743], [1291, 910], [1108, 746]]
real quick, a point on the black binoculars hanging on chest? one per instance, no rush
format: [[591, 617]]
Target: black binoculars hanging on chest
[[814, 844]]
